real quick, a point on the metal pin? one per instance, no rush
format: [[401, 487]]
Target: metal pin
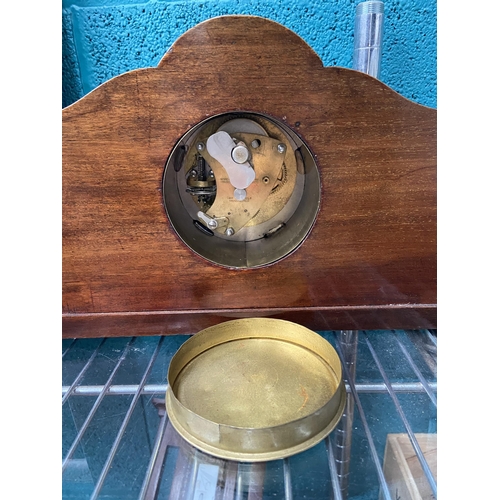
[[239, 154], [239, 194]]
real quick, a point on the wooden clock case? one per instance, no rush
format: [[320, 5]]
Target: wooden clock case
[[369, 261]]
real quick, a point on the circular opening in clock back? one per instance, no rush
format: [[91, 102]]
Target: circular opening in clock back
[[241, 190]]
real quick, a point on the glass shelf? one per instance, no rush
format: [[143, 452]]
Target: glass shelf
[[119, 444]]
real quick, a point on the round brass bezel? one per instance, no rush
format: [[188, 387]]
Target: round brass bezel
[[187, 375]]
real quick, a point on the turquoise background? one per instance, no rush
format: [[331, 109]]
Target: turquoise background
[[104, 38]]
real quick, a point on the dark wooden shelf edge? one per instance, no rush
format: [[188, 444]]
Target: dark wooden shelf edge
[[136, 323]]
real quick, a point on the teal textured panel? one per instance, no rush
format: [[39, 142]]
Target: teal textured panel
[[115, 36], [409, 60], [71, 80]]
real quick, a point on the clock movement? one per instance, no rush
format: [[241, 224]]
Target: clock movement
[[248, 184]]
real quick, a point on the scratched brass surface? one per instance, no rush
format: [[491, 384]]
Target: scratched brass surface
[[268, 164], [265, 201], [255, 389]]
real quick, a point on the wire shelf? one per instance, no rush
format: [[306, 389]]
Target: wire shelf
[[119, 444]]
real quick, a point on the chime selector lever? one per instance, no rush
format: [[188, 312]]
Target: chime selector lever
[[212, 222], [233, 158]]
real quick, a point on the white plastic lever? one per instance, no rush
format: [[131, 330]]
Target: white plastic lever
[[220, 146]]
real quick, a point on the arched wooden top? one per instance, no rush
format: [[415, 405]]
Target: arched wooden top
[[370, 260], [256, 42]]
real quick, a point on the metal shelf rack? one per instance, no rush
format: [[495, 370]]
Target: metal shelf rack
[[119, 444]]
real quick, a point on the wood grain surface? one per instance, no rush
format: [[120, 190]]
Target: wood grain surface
[[370, 259]]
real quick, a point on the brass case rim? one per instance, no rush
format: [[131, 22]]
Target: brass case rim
[[255, 444]]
